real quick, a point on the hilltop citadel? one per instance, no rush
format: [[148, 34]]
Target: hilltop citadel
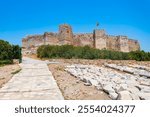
[[97, 39]]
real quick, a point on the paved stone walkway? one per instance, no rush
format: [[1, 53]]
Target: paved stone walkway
[[33, 82]]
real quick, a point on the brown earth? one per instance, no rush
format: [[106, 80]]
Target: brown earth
[[94, 62], [6, 73], [72, 88]]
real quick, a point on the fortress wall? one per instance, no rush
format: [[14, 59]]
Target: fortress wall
[[83, 39], [51, 38], [100, 39], [38, 41], [123, 43], [32, 41], [24, 43], [112, 43], [76, 41], [133, 45]]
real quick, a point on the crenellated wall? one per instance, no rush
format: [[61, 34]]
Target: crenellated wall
[[83, 39], [51, 38], [123, 43], [32, 41], [112, 43], [98, 39]]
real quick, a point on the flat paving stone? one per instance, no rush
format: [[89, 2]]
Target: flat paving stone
[[33, 82]]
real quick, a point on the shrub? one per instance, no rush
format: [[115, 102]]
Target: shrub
[[66, 51], [4, 62], [86, 52], [5, 50], [16, 52], [139, 56], [9, 52]]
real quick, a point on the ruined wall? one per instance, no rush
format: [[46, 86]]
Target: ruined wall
[[51, 38], [24, 43], [83, 39], [112, 43], [123, 43], [100, 39], [133, 45], [33, 41]]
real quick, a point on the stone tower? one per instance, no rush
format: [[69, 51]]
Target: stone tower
[[99, 39], [65, 35], [123, 43]]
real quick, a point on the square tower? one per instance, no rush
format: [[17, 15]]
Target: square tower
[[123, 43], [65, 35], [100, 39]]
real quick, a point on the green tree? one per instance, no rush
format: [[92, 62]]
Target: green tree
[[5, 50], [16, 52], [86, 52]]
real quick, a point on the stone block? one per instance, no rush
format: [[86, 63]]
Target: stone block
[[124, 95]]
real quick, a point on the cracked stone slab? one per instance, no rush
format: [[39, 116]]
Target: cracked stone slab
[[33, 82]]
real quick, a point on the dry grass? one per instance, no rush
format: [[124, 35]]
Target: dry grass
[[7, 72]]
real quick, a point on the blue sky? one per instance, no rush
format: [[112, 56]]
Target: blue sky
[[19, 18]]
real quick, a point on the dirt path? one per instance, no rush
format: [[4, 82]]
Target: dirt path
[[72, 88]]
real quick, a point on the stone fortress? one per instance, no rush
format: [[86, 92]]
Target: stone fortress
[[98, 39]]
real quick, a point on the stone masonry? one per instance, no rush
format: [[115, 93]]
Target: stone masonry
[[98, 39]]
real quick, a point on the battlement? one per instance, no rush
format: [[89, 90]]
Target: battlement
[[83, 39], [122, 36], [98, 39], [111, 36], [51, 33], [99, 33], [84, 36], [136, 41]]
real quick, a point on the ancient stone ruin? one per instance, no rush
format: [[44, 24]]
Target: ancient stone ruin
[[120, 82], [98, 39]]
